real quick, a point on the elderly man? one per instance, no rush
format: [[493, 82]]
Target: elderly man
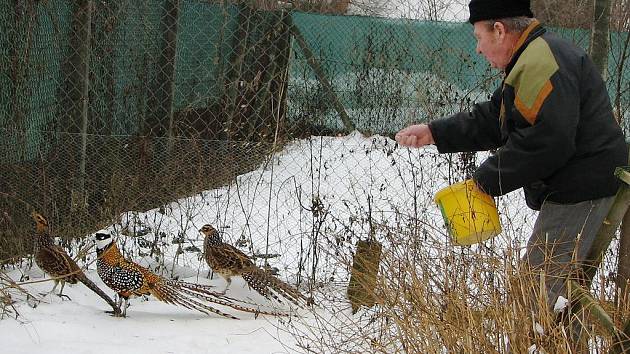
[[552, 123]]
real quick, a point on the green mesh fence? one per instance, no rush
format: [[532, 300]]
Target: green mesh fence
[[435, 61], [201, 63], [31, 76], [383, 67], [110, 106], [152, 62]]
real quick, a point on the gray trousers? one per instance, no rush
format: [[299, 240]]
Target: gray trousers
[[560, 243], [562, 239]]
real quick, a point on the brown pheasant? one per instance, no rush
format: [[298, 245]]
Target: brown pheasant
[[56, 262], [229, 261], [127, 278]]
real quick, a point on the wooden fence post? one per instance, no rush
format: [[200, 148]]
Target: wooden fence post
[[79, 200], [610, 225], [602, 241]]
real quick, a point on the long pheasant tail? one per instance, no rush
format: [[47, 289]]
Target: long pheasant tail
[[287, 291], [269, 286], [167, 292], [90, 284], [208, 294], [176, 296], [217, 298]]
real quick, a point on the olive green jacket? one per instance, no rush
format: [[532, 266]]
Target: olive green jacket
[[551, 121]]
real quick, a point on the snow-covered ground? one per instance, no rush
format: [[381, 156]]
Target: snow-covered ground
[[81, 326], [307, 205]]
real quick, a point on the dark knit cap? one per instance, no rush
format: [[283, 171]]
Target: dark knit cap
[[495, 9]]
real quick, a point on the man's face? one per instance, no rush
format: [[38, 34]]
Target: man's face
[[494, 43]]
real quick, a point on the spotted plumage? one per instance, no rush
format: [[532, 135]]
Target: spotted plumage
[[228, 261], [127, 279], [56, 262]]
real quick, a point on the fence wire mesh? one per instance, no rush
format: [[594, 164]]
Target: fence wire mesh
[[111, 107]]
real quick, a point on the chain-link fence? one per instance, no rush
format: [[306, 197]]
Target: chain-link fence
[[115, 106]]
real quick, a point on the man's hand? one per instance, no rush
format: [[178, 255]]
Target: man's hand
[[415, 136]]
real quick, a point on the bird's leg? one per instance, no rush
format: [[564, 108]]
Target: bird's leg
[[32, 301], [53, 289], [118, 303], [124, 309], [61, 295], [228, 281]]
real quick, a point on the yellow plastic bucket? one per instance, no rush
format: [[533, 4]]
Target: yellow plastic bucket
[[470, 215]]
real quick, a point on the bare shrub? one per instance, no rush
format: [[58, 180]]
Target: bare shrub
[[445, 299]]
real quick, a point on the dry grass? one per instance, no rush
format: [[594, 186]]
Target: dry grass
[[448, 300], [10, 292]]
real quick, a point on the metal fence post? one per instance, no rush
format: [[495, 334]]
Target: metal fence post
[[79, 199]]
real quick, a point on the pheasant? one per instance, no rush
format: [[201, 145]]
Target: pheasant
[[127, 278], [229, 261], [56, 262]]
